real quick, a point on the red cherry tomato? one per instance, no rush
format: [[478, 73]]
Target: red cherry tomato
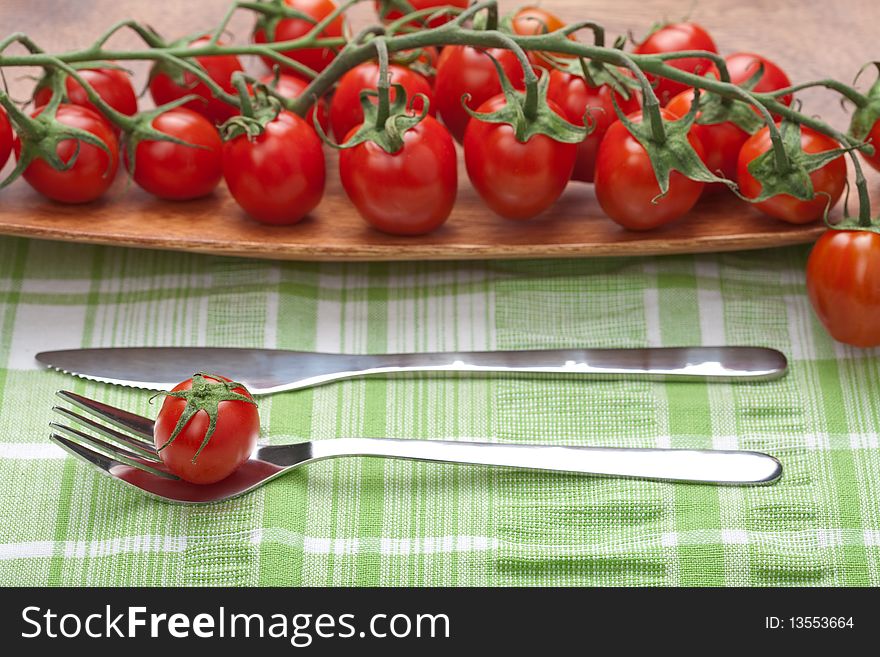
[[220, 67], [721, 141], [531, 21], [234, 438], [673, 38], [873, 138], [288, 29], [464, 70], [6, 137], [516, 180], [843, 281], [94, 170], [111, 84], [394, 14], [828, 182], [278, 177], [743, 65], [626, 186], [291, 86], [345, 109], [175, 172], [574, 95], [410, 192]]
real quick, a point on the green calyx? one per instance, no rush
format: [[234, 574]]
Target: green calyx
[[528, 113], [204, 395], [669, 149], [595, 73], [142, 130], [793, 179], [385, 127], [714, 109], [42, 135], [257, 111], [272, 12]]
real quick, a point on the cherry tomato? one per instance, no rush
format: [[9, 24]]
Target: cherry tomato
[[721, 141], [111, 84], [743, 65], [464, 70], [873, 137], [278, 177], [574, 95], [410, 192], [394, 14], [530, 21], [219, 67], [288, 29], [291, 86], [6, 137], [345, 109], [673, 38], [828, 182], [176, 172], [94, 170], [626, 186], [843, 281], [234, 438], [516, 180]]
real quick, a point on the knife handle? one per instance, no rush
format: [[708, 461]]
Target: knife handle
[[662, 363], [686, 465]]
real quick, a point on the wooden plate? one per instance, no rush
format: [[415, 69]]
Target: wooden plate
[[575, 227]]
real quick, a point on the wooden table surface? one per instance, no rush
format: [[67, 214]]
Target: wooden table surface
[[809, 38]]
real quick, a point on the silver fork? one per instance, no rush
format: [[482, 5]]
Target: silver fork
[[121, 445]]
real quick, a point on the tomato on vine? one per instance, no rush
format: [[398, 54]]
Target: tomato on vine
[[207, 428], [626, 183], [409, 192], [292, 87], [828, 182], [168, 85], [532, 21], [873, 137], [388, 12], [113, 85], [278, 176], [287, 29], [721, 142], [463, 70], [6, 137], [94, 169], [174, 171], [743, 65], [843, 283], [676, 37], [516, 179], [577, 97], [346, 111]]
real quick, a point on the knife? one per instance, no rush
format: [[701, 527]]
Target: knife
[[265, 371]]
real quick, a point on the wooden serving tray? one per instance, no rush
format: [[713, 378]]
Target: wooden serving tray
[[575, 227]]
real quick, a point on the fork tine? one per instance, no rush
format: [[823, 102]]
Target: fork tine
[[137, 424], [123, 448], [83, 453], [141, 447], [111, 452]]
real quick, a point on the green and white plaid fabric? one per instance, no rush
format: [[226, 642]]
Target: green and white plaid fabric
[[379, 522]]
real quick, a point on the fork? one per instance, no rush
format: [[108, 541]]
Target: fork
[[120, 444]]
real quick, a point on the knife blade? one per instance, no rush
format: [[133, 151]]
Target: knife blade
[[266, 371]]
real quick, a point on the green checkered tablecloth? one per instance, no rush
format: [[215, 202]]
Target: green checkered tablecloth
[[381, 522]]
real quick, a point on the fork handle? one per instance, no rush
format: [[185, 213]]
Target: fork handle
[[687, 465]]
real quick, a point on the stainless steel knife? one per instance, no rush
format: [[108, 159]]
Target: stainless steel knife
[[265, 371]]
